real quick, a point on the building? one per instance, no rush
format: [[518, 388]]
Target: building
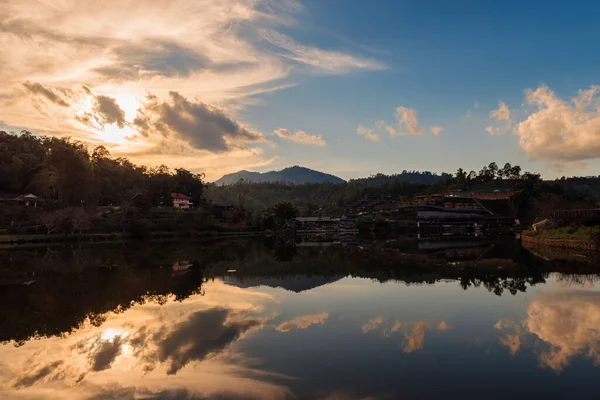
[[28, 200], [180, 200]]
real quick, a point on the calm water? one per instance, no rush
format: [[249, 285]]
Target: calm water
[[246, 320]]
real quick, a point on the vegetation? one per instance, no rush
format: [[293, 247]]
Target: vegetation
[[569, 233], [87, 190]]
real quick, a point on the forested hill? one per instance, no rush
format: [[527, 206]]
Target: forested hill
[[293, 174], [424, 178]]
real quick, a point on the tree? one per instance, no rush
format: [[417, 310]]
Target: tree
[[284, 211], [492, 171], [79, 219], [461, 177], [52, 220]]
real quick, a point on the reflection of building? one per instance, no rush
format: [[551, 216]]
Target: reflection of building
[[24, 199], [180, 200]]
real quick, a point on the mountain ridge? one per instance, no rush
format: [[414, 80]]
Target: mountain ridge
[[295, 174]]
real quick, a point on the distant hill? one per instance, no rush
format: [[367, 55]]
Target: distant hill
[[295, 283], [293, 174]]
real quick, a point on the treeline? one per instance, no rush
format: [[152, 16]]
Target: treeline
[[418, 177], [68, 173]]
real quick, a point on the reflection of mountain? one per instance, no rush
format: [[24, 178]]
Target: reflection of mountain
[[74, 285], [296, 283]]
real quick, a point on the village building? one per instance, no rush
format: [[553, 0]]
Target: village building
[[182, 201]]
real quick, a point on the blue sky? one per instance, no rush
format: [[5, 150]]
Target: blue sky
[[442, 58], [267, 84]]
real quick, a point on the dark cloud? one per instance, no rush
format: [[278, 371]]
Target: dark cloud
[[175, 394], [203, 334], [109, 111], [105, 110], [49, 94], [106, 353], [201, 125], [38, 375], [152, 58]]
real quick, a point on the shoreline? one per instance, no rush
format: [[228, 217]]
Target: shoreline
[[25, 239], [531, 242]]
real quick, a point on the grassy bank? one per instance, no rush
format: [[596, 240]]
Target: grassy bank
[[568, 233]]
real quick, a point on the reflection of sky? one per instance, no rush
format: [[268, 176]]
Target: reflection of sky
[[351, 339]]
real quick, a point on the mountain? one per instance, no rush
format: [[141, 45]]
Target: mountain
[[293, 174]]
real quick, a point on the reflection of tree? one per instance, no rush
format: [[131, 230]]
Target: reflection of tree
[[75, 284]]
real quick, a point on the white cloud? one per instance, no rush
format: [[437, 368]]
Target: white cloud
[[561, 131], [436, 130], [215, 54], [567, 321], [324, 60], [300, 137], [303, 322], [408, 122], [368, 133], [500, 115]]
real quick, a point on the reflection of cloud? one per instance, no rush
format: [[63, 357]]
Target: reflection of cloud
[[373, 324], [443, 326], [568, 321], [303, 322], [414, 331], [39, 374], [202, 334], [414, 335], [133, 352]]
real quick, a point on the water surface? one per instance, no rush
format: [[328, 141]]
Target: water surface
[[245, 320]]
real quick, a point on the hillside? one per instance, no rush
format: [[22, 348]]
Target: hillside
[[293, 174]]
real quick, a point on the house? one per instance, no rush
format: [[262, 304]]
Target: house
[[180, 200]]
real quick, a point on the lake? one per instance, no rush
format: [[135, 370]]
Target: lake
[[249, 319]]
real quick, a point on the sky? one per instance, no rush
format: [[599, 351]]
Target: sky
[[350, 88]]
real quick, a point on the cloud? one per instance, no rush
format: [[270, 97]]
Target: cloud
[[323, 60], [52, 95], [569, 322], [202, 126], [181, 344], [368, 133], [217, 55], [501, 114], [443, 326], [476, 104], [34, 377], [436, 130], [415, 338], [303, 322], [152, 58], [373, 324], [560, 131], [301, 137], [408, 122]]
